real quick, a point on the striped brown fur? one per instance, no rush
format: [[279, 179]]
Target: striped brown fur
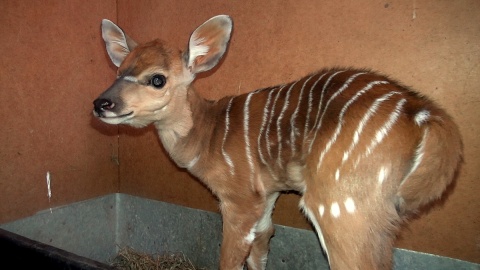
[[362, 150]]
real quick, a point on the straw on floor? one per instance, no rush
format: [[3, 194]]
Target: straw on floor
[[129, 259]]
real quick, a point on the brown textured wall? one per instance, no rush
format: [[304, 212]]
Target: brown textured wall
[[433, 46], [52, 65]]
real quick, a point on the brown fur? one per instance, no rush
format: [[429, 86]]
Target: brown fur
[[298, 136]]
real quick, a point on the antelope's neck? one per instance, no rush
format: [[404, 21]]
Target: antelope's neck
[[189, 129]]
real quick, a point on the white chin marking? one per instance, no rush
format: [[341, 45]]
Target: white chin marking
[[116, 120], [113, 121]]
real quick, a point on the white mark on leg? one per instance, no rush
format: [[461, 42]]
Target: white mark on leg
[[321, 210], [265, 221], [252, 263], [350, 205], [263, 261], [314, 221], [335, 210], [251, 235], [337, 175]]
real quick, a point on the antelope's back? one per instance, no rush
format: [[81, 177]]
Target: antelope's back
[[342, 125]]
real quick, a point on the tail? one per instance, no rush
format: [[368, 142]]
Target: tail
[[436, 161]]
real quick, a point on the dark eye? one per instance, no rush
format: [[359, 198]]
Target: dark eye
[[158, 81]]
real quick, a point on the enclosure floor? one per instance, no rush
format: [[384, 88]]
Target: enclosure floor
[[97, 228]]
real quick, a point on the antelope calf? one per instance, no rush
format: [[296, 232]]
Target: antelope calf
[[362, 150]]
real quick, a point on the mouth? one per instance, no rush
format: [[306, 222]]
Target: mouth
[[113, 119]]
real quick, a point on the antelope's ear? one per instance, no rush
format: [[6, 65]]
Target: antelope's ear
[[208, 43], [118, 44]]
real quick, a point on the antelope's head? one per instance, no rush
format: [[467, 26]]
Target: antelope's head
[[153, 78]]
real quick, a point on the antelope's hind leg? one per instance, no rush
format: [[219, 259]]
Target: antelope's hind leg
[[354, 234]]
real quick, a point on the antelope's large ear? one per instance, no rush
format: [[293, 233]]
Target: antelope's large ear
[[208, 43], [118, 44]]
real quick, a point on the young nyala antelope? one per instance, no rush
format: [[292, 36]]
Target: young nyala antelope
[[362, 150]]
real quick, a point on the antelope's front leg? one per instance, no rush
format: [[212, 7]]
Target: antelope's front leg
[[257, 259], [240, 219]]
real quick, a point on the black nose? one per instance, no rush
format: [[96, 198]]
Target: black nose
[[100, 105]]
